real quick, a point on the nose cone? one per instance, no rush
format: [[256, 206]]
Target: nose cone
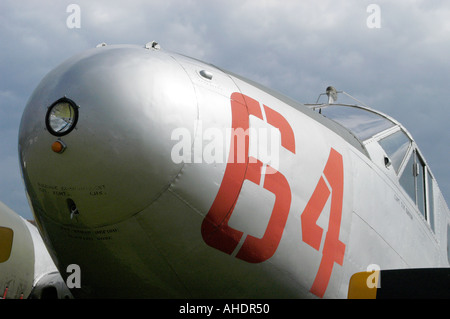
[[116, 159]]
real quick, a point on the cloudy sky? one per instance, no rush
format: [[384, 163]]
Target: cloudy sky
[[399, 64]]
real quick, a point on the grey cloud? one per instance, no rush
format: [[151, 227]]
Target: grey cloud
[[296, 47]]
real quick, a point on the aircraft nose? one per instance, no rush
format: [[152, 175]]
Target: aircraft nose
[[95, 137]]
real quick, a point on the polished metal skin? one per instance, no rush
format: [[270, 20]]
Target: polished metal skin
[[109, 196]]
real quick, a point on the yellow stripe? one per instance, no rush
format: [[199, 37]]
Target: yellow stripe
[[359, 285], [6, 240]]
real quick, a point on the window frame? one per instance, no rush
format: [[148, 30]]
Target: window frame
[[389, 132], [427, 178], [362, 116]]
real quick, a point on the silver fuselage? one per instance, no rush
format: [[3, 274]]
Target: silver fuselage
[[147, 225]]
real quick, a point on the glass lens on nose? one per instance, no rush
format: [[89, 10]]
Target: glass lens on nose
[[61, 117]]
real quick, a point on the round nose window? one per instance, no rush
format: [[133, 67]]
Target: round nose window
[[61, 117]]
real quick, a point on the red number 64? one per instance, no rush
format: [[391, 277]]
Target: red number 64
[[215, 229]]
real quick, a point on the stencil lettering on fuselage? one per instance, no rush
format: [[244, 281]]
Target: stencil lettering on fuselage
[[242, 167], [333, 249]]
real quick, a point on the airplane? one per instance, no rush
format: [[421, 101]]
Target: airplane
[[162, 176], [26, 268]]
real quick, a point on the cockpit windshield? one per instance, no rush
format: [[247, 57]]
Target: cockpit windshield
[[396, 146], [361, 122]]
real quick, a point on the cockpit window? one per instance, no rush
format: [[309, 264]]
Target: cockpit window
[[408, 179], [396, 145], [417, 182], [361, 122]]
